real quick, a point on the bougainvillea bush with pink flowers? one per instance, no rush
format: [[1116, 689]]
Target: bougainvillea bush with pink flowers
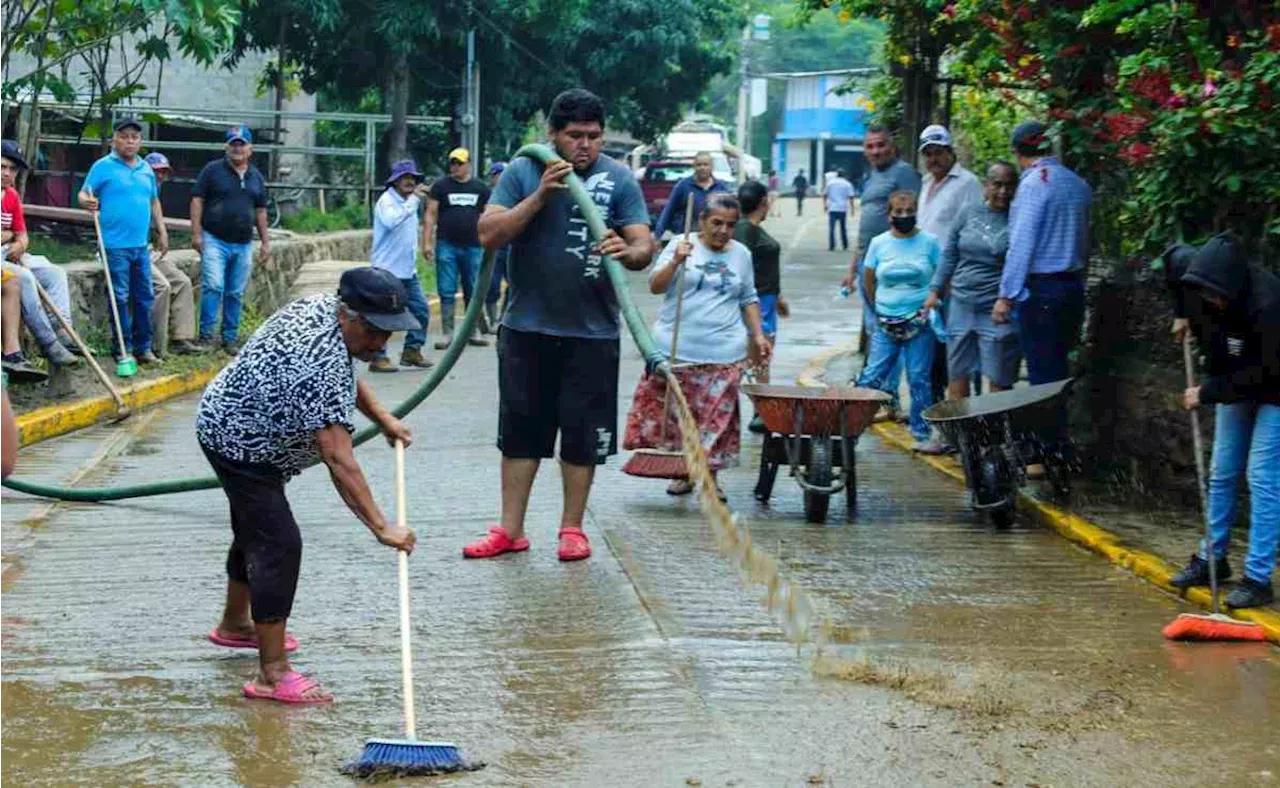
[[1169, 108]]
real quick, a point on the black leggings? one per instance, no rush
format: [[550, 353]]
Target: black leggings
[[266, 550]]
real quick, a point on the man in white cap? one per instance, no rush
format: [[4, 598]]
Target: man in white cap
[[947, 189], [947, 186], [455, 203]]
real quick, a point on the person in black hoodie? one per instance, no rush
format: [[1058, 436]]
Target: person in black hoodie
[[1233, 309]]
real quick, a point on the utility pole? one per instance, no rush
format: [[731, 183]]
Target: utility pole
[[744, 100], [471, 100], [758, 29]]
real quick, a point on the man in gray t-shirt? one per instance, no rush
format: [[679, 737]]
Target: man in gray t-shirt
[[888, 174], [558, 347]]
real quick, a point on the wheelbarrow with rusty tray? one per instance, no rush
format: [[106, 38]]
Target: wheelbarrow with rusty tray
[[813, 430], [997, 436]]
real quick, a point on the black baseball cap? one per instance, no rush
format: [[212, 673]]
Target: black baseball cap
[[127, 123], [378, 296]]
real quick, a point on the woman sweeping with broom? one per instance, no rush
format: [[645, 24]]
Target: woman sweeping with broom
[[711, 320]]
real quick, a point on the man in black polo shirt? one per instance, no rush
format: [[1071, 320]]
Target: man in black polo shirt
[[229, 199], [455, 203]]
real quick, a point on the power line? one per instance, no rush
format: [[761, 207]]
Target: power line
[[507, 35]]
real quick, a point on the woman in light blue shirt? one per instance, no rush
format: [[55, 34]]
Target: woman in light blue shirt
[[898, 269], [720, 329]]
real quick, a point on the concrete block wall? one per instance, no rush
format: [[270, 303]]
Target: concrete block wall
[[268, 285]]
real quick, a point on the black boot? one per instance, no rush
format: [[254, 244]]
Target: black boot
[[1197, 573], [1250, 593]]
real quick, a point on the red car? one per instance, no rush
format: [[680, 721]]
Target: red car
[[660, 177]]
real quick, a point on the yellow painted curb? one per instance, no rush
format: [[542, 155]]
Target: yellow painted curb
[[1148, 566], [55, 420]]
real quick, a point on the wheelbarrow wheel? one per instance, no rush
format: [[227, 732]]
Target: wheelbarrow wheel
[[818, 473], [1003, 517]]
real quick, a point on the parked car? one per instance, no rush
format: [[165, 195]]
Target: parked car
[[657, 180]]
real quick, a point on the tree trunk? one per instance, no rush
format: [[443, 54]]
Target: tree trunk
[[32, 140], [278, 126], [398, 139]]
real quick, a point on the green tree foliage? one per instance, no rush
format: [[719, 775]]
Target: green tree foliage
[[646, 58]]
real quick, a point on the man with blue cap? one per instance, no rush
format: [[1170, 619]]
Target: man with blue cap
[[228, 201], [284, 403], [395, 249], [173, 313]]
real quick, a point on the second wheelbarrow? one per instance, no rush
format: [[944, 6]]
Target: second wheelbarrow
[[813, 430], [997, 435]]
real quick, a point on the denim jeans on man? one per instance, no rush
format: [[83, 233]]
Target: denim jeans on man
[[1246, 441], [834, 219], [454, 262], [887, 357], [131, 279], [224, 275], [1048, 328], [419, 308]]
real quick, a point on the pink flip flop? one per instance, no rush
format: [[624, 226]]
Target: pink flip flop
[[217, 638], [497, 542], [573, 545], [292, 688]]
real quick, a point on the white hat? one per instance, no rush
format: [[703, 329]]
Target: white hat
[[935, 135]]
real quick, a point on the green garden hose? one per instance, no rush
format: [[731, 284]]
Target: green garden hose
[[617, 277]]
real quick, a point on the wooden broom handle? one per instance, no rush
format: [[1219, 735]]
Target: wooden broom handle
[[406, 653], [675, 329]]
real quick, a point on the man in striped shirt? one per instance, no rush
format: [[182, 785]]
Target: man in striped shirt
[[1042, 285], [1048, 250]]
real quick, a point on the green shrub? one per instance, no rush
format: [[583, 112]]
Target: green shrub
[[352, 216]]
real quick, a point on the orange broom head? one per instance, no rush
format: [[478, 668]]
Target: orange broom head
[[655, 464], [1194, 626]]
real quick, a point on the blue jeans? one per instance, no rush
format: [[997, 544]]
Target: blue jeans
[[452, 262], [872, 326], [887, 356], [1049, 325], [1048, 328], [499, 273], [1246, 441], [131, 278], [418, 307], [224, 274], [834, 219]]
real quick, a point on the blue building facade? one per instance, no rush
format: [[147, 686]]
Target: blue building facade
[[821, 130]]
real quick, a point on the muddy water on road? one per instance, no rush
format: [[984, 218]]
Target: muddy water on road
[[988, 656]]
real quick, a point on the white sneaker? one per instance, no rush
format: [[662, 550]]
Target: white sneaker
[[930, 446]]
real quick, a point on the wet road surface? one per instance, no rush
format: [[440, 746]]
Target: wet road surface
[[979, 657]]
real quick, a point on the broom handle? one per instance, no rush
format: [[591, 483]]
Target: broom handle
[[406, 653], [88, 355], [675, 329], [111, 290], [1198, 442]]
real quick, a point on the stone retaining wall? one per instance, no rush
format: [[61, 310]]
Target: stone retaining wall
[[268, 286]]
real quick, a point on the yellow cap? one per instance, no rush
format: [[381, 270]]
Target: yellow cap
[[460, 154]]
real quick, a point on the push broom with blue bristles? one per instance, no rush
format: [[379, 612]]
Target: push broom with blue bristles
[[407, 756]]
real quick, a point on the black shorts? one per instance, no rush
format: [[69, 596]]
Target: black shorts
[[266, 548], [549, 385]]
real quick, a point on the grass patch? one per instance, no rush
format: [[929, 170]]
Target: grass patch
[[427, 274], [61, 252], [353, 216]]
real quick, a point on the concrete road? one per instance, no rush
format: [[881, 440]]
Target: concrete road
[[963, 655]]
